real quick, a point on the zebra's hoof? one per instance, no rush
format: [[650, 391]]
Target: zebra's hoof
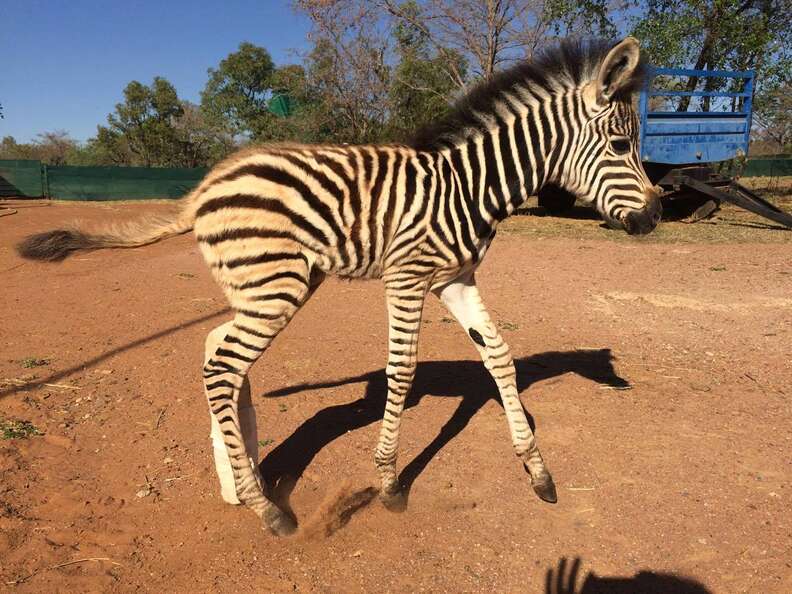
[[279, 523], [395, 502], [544, 487]]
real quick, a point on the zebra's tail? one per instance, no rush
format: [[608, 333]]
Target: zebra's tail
[[56, 245]]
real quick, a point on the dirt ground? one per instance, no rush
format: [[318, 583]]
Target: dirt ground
[[658, 371]]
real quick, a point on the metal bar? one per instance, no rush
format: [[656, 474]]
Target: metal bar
[[744, 199], [643, 107], [755, 197], [704, 73], [703, 114], [45, 191], [662, 93], [707, 136], [748, 107]]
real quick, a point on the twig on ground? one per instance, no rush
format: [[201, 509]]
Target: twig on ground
[[13, 267], [659, 366], [159, 417], [27, 577], [754, 380], [175, 478]]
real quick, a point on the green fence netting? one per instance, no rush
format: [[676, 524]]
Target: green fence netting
[[31, 179], [21, 178], [120, 183], [768, 167]]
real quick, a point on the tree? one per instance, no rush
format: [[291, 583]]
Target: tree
[[718, 34], [379, 69], [201, 141], [55, 148], [237, 91], [489, 34], [52, 148], [142, 131], [348, 70], [308, 120], [420, 90], [773, 117], [11, 149]]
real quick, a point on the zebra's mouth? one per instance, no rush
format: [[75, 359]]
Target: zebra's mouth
[[641, 222]]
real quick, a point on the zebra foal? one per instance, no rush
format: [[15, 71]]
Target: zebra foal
[[273, 221]]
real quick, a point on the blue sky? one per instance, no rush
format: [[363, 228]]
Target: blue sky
[[63, 65]]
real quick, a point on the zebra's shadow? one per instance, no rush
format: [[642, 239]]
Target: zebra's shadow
[[467, 380]]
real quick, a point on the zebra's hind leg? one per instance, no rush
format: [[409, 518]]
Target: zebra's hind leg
[[464, 302], [263, 311], [247, 425]]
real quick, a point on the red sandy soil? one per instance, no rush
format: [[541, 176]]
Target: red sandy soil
[[688, 472]]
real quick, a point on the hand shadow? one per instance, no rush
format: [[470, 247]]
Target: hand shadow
[[643, 582], [285, 464]]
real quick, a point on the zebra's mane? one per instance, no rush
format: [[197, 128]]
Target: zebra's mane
[[567, 64]]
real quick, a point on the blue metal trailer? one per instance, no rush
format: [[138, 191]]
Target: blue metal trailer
[[672, 137], [683, 132]]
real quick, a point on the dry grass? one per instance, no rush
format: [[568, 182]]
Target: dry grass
[[778, 189], [729, 225]]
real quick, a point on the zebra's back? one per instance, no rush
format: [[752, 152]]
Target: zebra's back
[[354, 210]]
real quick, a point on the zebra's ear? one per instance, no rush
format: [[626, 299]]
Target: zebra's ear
[[617, 70]]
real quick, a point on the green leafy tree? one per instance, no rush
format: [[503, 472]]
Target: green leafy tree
[[306, 120], [237, 91], [142, 131], [52, 148], [200, 140], [89, 153], [421, 90], [11, 149], [719, 34], [580, 17], [773, 118]]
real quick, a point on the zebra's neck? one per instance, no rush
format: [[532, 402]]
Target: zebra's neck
[[495, 170]]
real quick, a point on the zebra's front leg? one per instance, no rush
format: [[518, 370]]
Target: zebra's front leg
[[463, 300], [405, 304]]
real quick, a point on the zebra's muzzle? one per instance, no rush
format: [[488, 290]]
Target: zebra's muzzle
[[643, 221]]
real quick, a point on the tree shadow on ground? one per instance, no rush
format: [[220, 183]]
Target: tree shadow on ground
[[81, 367], [467, 380], [564, 581]]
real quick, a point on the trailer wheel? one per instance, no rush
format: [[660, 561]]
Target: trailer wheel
[[555, 199]]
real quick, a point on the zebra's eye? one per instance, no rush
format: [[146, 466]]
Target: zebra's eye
[[620, 145]]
